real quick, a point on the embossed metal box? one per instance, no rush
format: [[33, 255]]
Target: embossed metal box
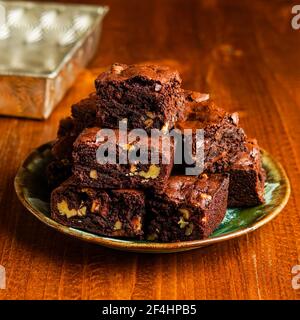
[[43, 47]]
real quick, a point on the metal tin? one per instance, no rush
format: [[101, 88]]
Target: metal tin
[[43, 47]]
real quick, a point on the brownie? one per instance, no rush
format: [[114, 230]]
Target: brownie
[[60, 167], [57, 172], [148, 96], [247, 178], [118, 213], [84, 112], [83, 116], [133, 174], [67, 126], [189, 208], [223, 138], [67, 133]]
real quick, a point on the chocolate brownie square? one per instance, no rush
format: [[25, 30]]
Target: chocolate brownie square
[[223, 138], [83, 116], [247, 178], [189, 208], [148, 96], [57, 172], [67, 133], [133, 173], [117, 213], [84, 112], [59, 168]]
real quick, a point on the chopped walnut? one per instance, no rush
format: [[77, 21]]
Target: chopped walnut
[[136, 223], [206, 196], [235, 118], [165, 127], [93, 174], [117, 69], [185, 213], [148, 123], [152, 173], [64, 210], [150, 114], [199, 97], [82, 211], [182, 223], [133, 168], [158, 87], [95, 206], [88, 191], [189, 229], [118, 225]]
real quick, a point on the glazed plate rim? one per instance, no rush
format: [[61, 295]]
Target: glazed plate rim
[[146, 246]]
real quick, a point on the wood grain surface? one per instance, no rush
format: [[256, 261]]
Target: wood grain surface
[[246, 54]]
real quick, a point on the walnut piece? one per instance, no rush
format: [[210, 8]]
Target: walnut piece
[[185, 213], [136, 223], [88, 191], [165, 128], [133, 168], [117, 69], [206, 196], [95, 206], [189, 229], [157, 87], [199, 97], [64, 210], [182, 223], [150, 114], [204, 176], [152, 173], [118, 225], [235, 118], [148, 123], [93, 174]]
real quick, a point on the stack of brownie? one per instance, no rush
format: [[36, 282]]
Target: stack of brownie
[[151, 201]]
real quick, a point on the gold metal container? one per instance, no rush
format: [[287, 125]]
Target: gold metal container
[[43, 47]]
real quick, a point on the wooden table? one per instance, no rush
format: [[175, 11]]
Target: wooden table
[[246, 54]]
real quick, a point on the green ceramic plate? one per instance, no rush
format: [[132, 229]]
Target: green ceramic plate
[[31, 188]]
